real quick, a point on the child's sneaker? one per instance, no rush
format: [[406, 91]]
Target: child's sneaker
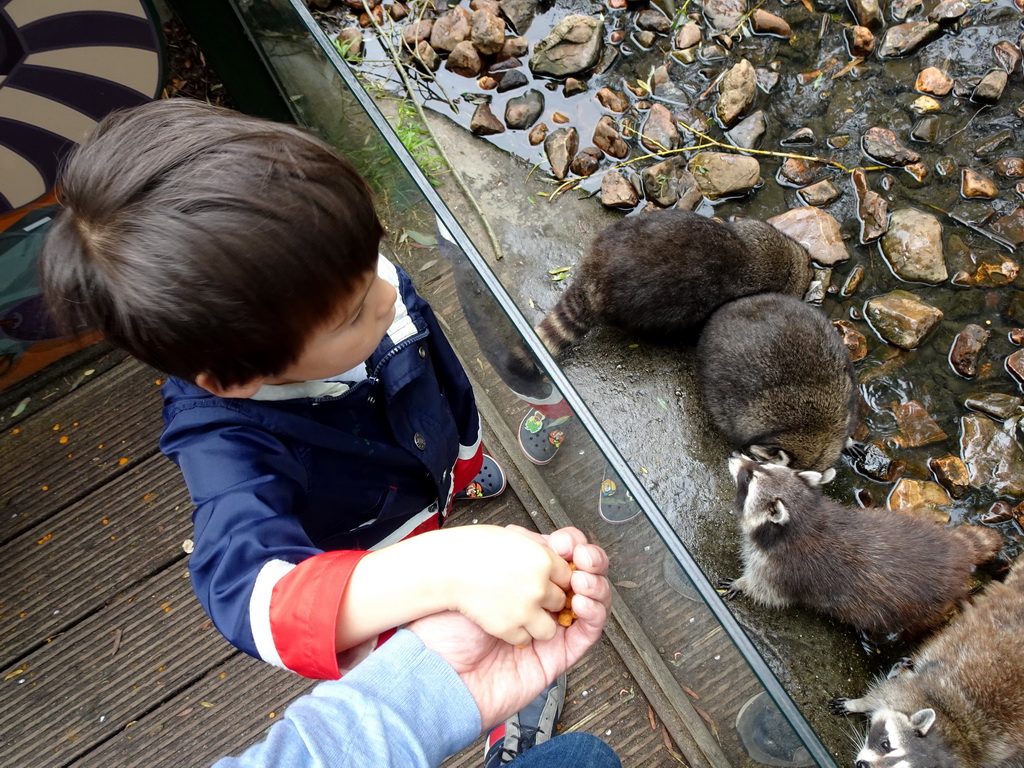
[[616, 504], [488, 483], [533, 725], [540, 437]]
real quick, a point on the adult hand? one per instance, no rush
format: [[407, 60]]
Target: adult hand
[[504, 678]]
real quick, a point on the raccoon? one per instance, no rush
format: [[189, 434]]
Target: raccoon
[[778, 380], [961, 703], [664, 272], [883, 572]]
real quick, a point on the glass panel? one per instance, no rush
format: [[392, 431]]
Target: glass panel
[[707, 671]]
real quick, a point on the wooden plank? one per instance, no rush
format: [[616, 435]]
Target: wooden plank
[[110, 419], [71, 564], [89, 683]]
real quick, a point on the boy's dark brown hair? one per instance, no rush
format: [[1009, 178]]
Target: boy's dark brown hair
[[204, 240]]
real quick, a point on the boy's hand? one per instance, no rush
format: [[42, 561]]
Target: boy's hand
[[506, 582], [504, 678]]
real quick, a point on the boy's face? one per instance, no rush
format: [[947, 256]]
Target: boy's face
[[360, 322]]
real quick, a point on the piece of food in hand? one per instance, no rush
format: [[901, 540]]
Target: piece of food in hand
[[567, 615]]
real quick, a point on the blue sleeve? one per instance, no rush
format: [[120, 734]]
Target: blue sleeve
[[403, 707]]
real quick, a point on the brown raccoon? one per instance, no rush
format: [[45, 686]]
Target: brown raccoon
[[778, 380], [881, 571], [663, 272], [961, 702]]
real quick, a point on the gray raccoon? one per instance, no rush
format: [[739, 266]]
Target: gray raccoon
[[961, 703], [880, 571], [778, 380], [664, 272]]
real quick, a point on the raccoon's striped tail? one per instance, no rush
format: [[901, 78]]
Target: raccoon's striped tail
[[985, 543], [568, 321]]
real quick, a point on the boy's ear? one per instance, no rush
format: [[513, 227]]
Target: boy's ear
[[210, 383]]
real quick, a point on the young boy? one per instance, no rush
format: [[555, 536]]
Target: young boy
[[316, 410]]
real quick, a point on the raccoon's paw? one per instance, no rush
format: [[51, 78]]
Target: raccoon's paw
[[770, 455], [855, 450], [729, 589], [839, 706]]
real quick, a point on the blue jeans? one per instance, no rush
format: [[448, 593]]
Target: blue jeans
[[572, 750]]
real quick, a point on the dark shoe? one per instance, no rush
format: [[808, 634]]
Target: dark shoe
[[539, 440], [616, 504], [767, 736], [488, 483], [533, 725]]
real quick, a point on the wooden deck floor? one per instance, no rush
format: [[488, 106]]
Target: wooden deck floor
[[106, 657]]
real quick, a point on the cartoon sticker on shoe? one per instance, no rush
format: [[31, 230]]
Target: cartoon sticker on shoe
[[607, 487], [534, 423], [474, 491], [556, 437]]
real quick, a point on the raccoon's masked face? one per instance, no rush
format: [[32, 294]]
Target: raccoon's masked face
[[897, 740], [765, 493]]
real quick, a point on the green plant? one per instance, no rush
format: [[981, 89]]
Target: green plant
[[418, 141]]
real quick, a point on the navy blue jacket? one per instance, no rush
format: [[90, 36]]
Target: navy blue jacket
[[289, 493]]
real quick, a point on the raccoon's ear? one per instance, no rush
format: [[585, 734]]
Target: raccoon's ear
[[778, 513], [813, 478], [922, 720]]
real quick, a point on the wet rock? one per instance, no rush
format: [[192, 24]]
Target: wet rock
[[618, 192], [990, 274], [1010, 227], [1007, 56], [659, 132], [1016, 336], [491, 6], [878, 464], [426, 57], [797, 172], [976, 184], [1009, 167], [867, 13], [933, 81], [999, 512], [945, 167], [520, 13], [720, 174], [916, 426], [606, 136], [724, 15], [855, 341], [645, 38], [901, 10], [573, 46], [948, 10], [523, 111], [821, 279], [920, 498], [587, 161], [801, 137], [1015, 365], [860, 41], [907, 39], [926, 129], [918, 170], [415, 32], [966, 349], [925, 105], [963, 87], [398, 11], [991, 87], [511, 80], [450, 30], [882, 145], [820, 194], [484, 123], [913, 246], [994, 459], [872, 208], [853, 281], [712, 52], [502, 65], [818, 232], [748, 132], [486, 83], [487, 32], [667, 182], [764, 23], [464, 60], [766, 79], [997, 404], [537, 134], [736, 93], [687, 36], [901, 318], [951, 473], [654, 21], [353, 38], [560, 147], [514, 48]]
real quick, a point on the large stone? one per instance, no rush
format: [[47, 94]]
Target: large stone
[[907, 39], [560, 147], [765, 23], [654, 21], [872, 208], [724, 15], [417, 31], [520, 13], [587, 161], [867, 13], [1015, 365], [993, 457], [921, 498], [618, 192], [484, 123], [966, 349], [951, 472], [901, 318], [523, 111], [668, 181], [736, 93], [720, 174], [820, 194], [934, 81], [991, 87], [487, 32], [464, 60], [854, 341], [916, 425], [798, 172], [659, 132], [998, 404], [881, 144], [608, 138], [573, 46], [816, 230], [687, 36], [616, 101], [947, 10], [450, 30], [426, 56], [913, 246], [747, 132]]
